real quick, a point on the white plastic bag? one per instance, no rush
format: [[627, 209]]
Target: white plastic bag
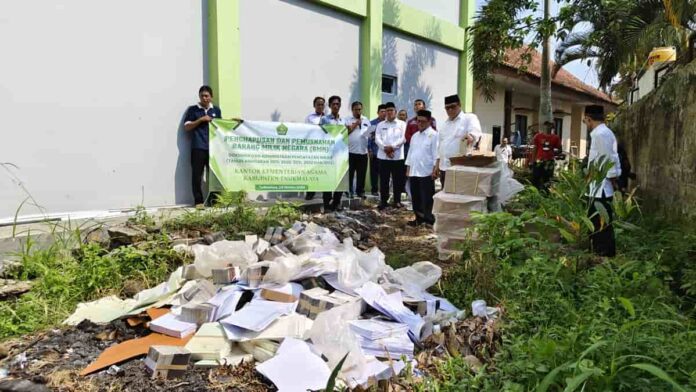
[[417, 277], [356, 267], [331, 334], [222, 254], [508, 187], [281, 270]]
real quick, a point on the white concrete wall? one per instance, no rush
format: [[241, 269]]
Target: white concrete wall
[[292, 51], [424, 70], [93, 95], [444, 9], [490, 114], [565, 107]]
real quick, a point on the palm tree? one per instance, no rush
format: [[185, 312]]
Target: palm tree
[[623, 33]]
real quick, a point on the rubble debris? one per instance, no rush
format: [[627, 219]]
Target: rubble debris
[[98, 235], [22, 386], [126, 234], [13, 288]]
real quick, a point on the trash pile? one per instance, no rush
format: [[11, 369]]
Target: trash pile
[[469, 189], [296, 303]]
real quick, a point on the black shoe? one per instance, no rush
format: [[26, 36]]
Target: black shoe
[[398, 205], [328, 209], [382, 207], [414, 223], [375, 193], [337, 208], [362, 196], [309, 197]]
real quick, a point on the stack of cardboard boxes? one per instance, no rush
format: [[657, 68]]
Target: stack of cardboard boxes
[[467, 189]]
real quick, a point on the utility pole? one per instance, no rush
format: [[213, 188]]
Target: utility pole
[[545, 107]]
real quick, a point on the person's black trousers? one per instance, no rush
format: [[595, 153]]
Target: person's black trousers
[[332, 200], [357, 165], [602, 241], [199, 162], [443, 174], [396, 171], [374, 174], [542, 173], [422, 191]]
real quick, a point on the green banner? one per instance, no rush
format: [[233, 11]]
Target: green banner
[[257, 156]]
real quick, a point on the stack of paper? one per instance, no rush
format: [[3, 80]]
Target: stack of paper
[[194, 291], [377, 329], [291, 326], [317, 300], [255, 273], [170, 325], [167, 361], [209, 343], [225, 275], [226, 301], [198, 313], [392, 305], [258, 314], [392, 347]]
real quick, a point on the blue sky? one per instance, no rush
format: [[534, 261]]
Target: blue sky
[[577, 68]]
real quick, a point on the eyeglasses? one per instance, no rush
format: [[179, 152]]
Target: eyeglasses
[[450, 106]]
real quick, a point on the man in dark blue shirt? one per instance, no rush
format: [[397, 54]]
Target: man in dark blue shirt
[[196, 122]]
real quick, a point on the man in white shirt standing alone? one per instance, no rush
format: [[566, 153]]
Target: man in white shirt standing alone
[[602, 146], [390, 137], [459, 127], [503, 152], [358, 132], [420, 169]]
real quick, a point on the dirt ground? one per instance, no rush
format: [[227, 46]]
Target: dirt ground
[[51, 360]]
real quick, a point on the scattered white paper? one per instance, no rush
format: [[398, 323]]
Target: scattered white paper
[[293, 325], [392, 306], [258, 314], [170, 325], [295, 368]]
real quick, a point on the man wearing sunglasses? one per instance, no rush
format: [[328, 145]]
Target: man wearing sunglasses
[[459, 127]]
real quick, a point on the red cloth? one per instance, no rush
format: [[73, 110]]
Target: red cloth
[[412, 127], [544, 144]]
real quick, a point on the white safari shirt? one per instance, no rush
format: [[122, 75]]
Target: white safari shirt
[[503, 154], [313, 118], [423, 153], [357, 140], [451, 133], [603, 144], [391, 133]]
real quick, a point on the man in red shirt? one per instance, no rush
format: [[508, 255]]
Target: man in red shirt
[[546, 144]]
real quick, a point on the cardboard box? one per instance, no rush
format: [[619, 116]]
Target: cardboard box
[[167, 362], [450, 203], [277, 296], [472, 181]]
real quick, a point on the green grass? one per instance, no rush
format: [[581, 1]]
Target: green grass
[[573, 322]]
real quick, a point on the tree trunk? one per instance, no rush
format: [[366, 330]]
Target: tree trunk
[[545, 108]]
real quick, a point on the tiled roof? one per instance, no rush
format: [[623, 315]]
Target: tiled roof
[[563, 78]]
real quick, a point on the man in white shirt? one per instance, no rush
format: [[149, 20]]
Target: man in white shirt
[[318, 113], [459, 127], [332, 200], [503, 152], [358, 133], [315, 118], [603, 146], [390, 137], [420, 165]]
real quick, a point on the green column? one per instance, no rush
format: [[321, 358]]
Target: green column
[[465, 85], [223, 55], [371, 58]]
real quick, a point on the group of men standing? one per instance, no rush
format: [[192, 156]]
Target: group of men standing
[[398, 151]]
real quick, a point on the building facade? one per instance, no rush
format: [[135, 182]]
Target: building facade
[[94, 92]]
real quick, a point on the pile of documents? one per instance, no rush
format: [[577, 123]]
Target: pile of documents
[[295, 302]]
